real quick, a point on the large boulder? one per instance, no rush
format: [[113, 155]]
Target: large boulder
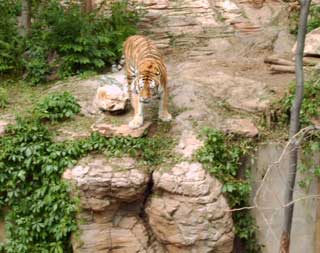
[[110, 98], [312, 43], [111, 194], [185, 210], [188, 212]]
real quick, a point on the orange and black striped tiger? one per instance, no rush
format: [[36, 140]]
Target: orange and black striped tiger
[[147, 77]]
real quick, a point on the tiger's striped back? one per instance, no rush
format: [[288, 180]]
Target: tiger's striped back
[[142, 61]]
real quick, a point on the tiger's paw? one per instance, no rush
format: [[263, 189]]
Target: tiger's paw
[[165, 116], [136, 122]]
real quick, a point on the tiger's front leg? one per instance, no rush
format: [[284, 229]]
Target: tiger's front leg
[[164, 114], [137, 120]]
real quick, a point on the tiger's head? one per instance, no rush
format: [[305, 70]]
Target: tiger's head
[[147, 82]]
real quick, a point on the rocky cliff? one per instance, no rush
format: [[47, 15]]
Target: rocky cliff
[[126, 209]]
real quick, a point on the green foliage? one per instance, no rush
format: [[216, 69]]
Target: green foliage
[[314, 18], [3, 97], [222, 155], [309, 165], [11, 44], [310, 105], [80, 41], [57, 107], [41, 214], [64, 40], [121, 26]]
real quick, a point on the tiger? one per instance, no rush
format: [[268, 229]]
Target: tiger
[[147, 77]]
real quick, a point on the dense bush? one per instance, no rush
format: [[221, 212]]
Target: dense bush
[[221, 155], [57, 107], [11, 44], [313, 19], [65, 40], [310, 105], [40, 214]]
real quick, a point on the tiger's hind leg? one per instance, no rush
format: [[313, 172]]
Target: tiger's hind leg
[[164, 114]]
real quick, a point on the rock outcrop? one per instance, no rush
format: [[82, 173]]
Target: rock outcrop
[[312, 44], [111, 193], [110, 98], [188, 213], [123, 211]]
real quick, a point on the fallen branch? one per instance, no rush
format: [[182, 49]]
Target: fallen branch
[[282, 69], [278, 61]]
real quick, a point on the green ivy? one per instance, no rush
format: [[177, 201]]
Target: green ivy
[[41, 215], [221, 155], [313, 19], [309, 165], [57, 107], [310, 105]]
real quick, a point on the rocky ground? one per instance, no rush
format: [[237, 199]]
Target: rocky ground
[[215, 53]]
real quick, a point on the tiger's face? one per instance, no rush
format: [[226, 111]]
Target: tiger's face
[[147, 82]]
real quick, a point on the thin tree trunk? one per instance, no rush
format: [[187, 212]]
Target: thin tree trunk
[[87, 5], [25, 17], [294, 127]]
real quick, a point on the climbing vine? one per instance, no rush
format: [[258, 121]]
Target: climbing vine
[[222, 156]]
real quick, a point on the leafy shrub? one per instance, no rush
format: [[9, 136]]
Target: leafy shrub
[[57, 107], [314, 18], [3, 97], [221, 155], [81, 41], [310, 105], [41, 214], [36, 65], [11, 44]]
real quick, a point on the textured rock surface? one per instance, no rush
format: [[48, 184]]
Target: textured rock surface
[[188, 144], [312, 43], [241, 126], [110, 98], [111, 194], [188, 213], [122, 130], [186, 210]]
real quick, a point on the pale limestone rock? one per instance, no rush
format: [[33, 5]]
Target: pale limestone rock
[[188, 213], [122, 130], [240, 93], [110, 98], [312, 43], [111, 193], [101, 181], [242, 127], [188, 144]]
